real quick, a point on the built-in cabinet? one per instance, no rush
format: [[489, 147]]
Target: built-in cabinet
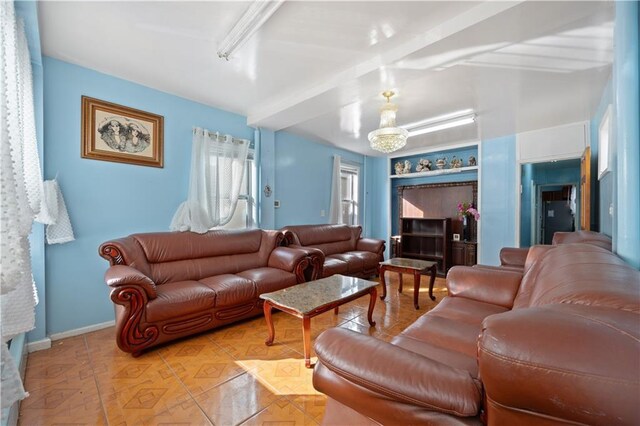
[[426, 239], [463, 253]]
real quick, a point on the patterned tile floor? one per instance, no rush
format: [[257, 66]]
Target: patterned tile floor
[[223, 377]]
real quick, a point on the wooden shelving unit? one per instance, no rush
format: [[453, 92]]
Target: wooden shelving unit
[[435, 172], [426, 239]]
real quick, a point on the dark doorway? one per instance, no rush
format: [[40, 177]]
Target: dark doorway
[[558, 211]]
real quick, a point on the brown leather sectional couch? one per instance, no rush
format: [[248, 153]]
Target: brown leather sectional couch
[[337, 249], [556, 344], [514, 257], [169, 285]]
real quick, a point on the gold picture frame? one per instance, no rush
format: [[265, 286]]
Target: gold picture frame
[[112, 132]]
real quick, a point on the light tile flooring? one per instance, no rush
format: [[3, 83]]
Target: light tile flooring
[[225, 376]]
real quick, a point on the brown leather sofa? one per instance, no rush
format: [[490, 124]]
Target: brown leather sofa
[[514, 258], [557, 345], [169, 285], [336, 249]]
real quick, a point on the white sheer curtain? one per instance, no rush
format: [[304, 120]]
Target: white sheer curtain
[[335, 208], [217, 169], [20, 193]]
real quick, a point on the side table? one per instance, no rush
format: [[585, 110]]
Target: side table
[[409, 266]]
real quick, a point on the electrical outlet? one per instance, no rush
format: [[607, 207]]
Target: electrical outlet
[[322, 213], [276, 204], [611, 209]]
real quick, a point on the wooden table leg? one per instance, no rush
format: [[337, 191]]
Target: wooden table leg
[[306, 337], [372, 303], [383, 269], [400, 279], [336, 310], [432, 280], [416, 288], [267, 315]]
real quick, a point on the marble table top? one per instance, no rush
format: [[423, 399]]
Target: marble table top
[[308, 297], [408, 263]]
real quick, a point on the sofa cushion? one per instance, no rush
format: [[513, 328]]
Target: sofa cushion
[[585, 274], [178, 299], [231, 289], [371, 260], [453, 325], [180, 256], [334, 266], [310, 235], [163, 247], [437, 353], [466, 310], [269, 279], [354, 263]]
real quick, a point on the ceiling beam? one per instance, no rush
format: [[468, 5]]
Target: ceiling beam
[[321, 97]]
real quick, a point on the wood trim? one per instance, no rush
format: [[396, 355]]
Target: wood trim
[[585, 190]]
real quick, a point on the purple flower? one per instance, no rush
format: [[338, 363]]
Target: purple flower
[[467, 209]]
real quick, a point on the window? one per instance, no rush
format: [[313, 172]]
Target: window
[[246, 209], [349, 181], [604, 135]]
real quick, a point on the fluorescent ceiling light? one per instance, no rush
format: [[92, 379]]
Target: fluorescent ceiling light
[[254, 17], [441, 122]]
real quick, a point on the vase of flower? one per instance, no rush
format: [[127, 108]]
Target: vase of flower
[[466, 228], [467, 212]]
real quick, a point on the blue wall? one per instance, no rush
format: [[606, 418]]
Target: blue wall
[[497, 203], [602, 189], [525, 205], [376, 199], [109, 200], [626, 93], [303, 179]]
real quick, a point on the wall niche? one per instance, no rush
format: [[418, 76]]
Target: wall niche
[[438, 200]]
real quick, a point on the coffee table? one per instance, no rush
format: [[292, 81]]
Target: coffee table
[[409, 266], [316, 297]]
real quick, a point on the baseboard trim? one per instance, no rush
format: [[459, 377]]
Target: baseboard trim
[[82, 330], [40, 345]]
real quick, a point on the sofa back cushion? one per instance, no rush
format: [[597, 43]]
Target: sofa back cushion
[[587, 237], [581, 274], [330, 239], [181, 256]]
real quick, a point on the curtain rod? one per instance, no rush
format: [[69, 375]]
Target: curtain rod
[[219, 135]]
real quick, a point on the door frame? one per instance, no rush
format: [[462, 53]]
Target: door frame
[[518, 194], [537, 231]]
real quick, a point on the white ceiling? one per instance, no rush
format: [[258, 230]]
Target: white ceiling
[[317, 68]]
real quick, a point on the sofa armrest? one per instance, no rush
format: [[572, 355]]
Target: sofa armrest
[[122, 275], [370, 244], [496, 286], [316, 258], [513, 256], [370, 375], [578, 363], [291, 260]]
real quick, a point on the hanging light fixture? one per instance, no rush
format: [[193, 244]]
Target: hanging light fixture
[[388, 137]]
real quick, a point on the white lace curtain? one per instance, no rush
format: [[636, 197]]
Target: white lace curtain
[[20, 193], [217, 169]]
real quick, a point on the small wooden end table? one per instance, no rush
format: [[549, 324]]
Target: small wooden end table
[[409, 266], [316, 297]]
